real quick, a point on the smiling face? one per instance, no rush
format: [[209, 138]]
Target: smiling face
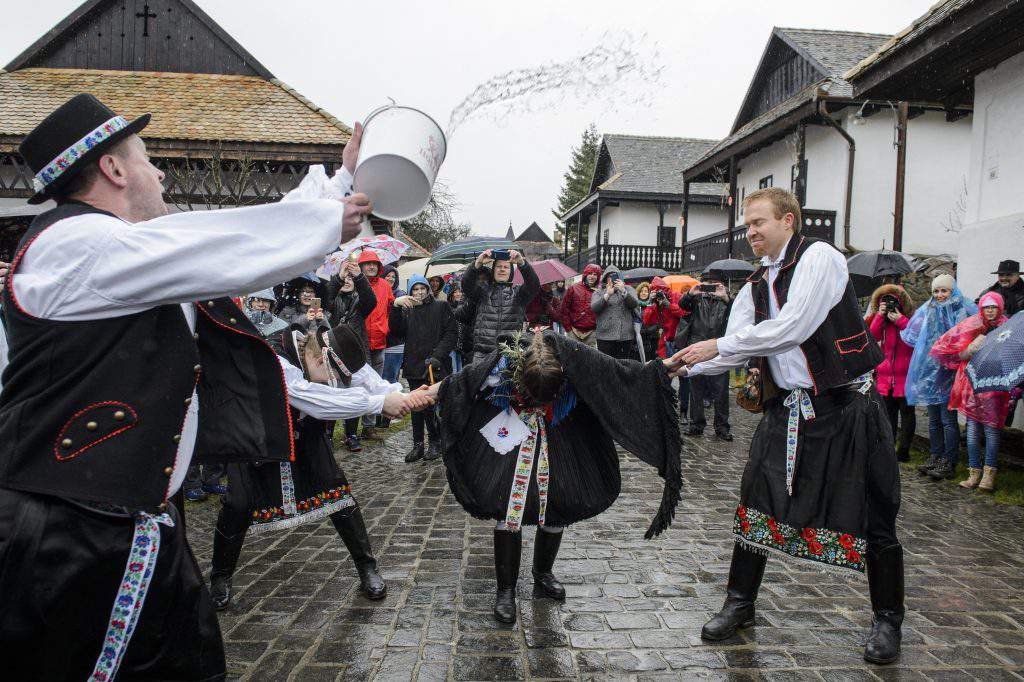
[[591, 279], [1009, 279], [502, 270], [392, 278], [766, 232], [307, 295], [942, 293], [455, 296], [420, 292], [370, 269], [347, 284], [990, 312]]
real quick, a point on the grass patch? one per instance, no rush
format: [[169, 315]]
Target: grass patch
[[1009, 479], [338, 437]]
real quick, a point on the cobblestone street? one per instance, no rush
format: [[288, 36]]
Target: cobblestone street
[[634, 607]]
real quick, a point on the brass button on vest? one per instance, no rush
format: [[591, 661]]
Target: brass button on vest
[[168, 471], [197, 369], [177, 438], [66, 443], [188, 401], [232, 320], [209, 304], [119, 415], [195, 337], [92, 426], [163, 506]]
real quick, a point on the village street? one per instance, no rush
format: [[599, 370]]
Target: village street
[[634, 608]]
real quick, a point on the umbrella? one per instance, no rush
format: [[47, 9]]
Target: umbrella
[[731, 268], [680, 283], [465, 250], [999, 363], [548, 271], [387, 248], [868, 266], [420, 266], [643, 273]]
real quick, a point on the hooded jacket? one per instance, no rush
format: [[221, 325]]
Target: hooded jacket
[[666, 316], [430, 333], [928, 382], [576, 311], [614, 314], [393, 340], [377, 320], [891, 373], [501, 306]]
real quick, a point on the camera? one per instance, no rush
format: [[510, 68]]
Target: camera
[[660, 297], [707, 288], [500, 254], [890, 303]]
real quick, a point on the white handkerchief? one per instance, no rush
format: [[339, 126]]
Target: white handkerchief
[[505, 431]]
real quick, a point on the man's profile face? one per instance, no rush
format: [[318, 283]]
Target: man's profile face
[[145, 190], [766, 233], [1009, 279], [502, 270]]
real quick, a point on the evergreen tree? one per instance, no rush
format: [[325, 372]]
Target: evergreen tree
[[576, 185]]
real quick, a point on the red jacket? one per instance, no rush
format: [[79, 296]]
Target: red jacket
[[377, 321], [667, 317], [576, 311]]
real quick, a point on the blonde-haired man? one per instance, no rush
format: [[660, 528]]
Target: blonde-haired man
[[822, 481]]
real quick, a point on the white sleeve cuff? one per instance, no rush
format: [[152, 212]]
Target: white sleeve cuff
[[342, 182], [727, 345], [376, 404]]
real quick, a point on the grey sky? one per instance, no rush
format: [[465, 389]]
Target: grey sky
[[349, 57]]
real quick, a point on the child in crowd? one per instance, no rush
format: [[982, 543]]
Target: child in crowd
[[983, 411], [929, 383], [888, 315]]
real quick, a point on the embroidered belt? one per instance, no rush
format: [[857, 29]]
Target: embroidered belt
[[799, 403], [535, 446], [131, 595], [288, 490]]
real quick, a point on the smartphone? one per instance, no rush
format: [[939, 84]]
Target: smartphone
[[315, 304], [709, 288], [614, 276]]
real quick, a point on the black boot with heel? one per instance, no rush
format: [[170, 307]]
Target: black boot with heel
[[745, 574], [885, 583], [545, 549], [508, 550], [350, 526]]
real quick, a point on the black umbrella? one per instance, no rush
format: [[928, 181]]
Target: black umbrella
[[643, 273], [730, 268], [868, 267]]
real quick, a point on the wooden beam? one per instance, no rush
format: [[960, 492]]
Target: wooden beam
[[901, 175], [732, 200]]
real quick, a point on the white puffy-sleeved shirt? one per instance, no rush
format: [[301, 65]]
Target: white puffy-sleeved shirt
[[364, 396], [819, 282], [97, 266]]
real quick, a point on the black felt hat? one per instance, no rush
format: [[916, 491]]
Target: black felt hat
[[77, 132], [1008, 267]]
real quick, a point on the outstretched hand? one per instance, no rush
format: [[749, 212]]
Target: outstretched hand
[[395, 406], [420, 399], [697, 352]]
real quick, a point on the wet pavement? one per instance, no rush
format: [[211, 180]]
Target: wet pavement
[[634, 607]]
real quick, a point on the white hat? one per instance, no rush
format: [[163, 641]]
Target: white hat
[[944, 281]]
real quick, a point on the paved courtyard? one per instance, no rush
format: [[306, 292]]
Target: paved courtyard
[[634, 607]]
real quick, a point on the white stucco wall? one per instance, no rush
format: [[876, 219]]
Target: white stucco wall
[[994, 222], [937, 157], [637, 223]]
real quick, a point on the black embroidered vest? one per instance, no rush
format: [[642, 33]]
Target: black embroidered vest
[[840, 349], [93, 410]]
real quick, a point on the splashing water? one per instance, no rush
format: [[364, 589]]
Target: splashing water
[[620, 71]]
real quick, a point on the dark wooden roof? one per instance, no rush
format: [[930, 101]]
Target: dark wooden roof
[[646, 164], [936, 58], [122, 35], [534, 233]]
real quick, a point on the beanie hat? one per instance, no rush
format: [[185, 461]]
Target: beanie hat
[[944, 281]]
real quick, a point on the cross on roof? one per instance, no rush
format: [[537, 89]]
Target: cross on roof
[[145, 14]]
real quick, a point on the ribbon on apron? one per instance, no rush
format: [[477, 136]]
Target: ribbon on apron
[[131, 595], [535, 446], [798, 403], [288, 490]]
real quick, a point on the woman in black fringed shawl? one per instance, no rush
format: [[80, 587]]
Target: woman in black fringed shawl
[[556, 408]]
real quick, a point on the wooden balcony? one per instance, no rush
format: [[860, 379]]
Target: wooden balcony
[[627, 257]]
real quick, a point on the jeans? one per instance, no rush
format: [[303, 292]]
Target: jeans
[[456, 361], [897, 409], [943, 433], [974, 431], [392, 364], [377, 362]]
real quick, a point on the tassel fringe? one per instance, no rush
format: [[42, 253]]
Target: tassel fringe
[[673, 475], [829, 569]]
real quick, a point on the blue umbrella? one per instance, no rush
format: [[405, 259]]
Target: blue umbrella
[[999, 363]]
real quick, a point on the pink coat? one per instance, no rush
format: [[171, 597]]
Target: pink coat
[[891, 374]]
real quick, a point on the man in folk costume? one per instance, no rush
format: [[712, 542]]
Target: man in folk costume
[[124, 352], [529, 435], [822, 482], [328, 379]]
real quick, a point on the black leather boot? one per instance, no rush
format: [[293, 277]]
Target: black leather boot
[[226, 548], [926, 468], [508, 549], [545, 549], [885, 582], [415, 454], [350, 526], [433, 450], [745, 574]]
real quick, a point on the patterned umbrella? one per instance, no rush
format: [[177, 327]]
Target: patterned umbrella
[[465, 250], [387, 248], [548, 271], [999, 363]]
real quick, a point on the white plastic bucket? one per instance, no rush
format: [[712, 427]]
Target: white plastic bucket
[[399, 156]]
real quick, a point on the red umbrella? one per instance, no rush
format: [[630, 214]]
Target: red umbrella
[[548, 271]]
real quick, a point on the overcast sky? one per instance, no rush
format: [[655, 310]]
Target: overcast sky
[[349, 57]]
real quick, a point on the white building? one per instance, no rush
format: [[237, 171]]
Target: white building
[[964, 53], [800, 127], [633, 214]]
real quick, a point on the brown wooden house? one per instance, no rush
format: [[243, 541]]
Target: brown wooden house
[[224, 129]]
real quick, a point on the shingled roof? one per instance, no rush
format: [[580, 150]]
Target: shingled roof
[[834, 52], [533, 233], [185, 106], [650, 165]]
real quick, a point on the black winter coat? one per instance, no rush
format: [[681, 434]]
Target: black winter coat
[[465, 314], [430, 333], [351, 308], [501, 307], [707, 319], [1013, 297]]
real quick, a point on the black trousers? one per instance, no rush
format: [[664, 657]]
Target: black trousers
[[898, 410], [716, 389], [621, 350], [424, 418], [60, 568]]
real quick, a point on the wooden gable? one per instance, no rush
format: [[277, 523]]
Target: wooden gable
[[603, 168], [137, 35], [781, 73]]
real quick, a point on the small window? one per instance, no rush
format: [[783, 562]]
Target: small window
[[766, 181]]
